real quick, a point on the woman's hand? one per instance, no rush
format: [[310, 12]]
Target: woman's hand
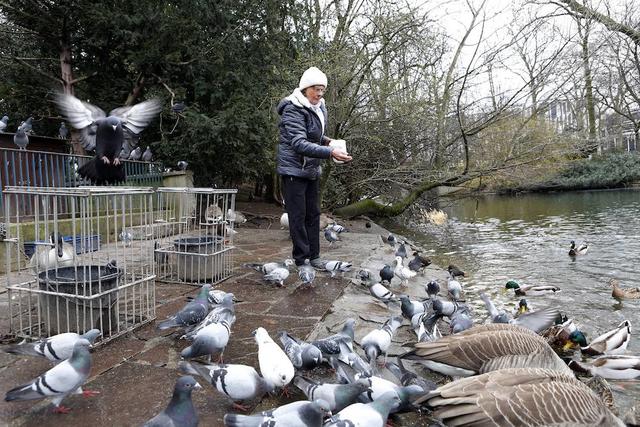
[[340, 155]]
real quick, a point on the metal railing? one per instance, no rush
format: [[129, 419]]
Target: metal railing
[[45, 169]]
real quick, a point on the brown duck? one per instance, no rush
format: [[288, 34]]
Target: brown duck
[[622, 293]]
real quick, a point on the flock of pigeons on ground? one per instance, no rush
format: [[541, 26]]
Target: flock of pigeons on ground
[[505, 372]]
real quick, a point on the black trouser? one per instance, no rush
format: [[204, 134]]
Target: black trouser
[[301, 198]]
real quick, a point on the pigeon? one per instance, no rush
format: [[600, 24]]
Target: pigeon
[[178, 107], [337, 228], [309, 414], [278, 275], [60, 381], [238, 382], [537, 321], [180, 411], [354, 360], [460, 321], [106, 167], [217, 296], [386, 274], [367, 224], [372, 414], [63, 132], [56, 254], [124, 154], [334, 267], [454, 288], [331, 345], [159, 256], [390, 240], [303, 355], [306, 273], [418, 263], [402, 251], [379, 291], [27, 125], [402, 272], [147, 156], [236, 216], [339, 396], [56, 348], [410, 307], [182, 165], [275, 366], [192, 313], [408, 378], [446, 308], [364, 275], [378, 341], [135, 154], [222, 311], [21, 139], [331, 236], [284, 221], [268, 267], [432, 288], [212, 338], [126, 237], [3, 123], [455, 271]]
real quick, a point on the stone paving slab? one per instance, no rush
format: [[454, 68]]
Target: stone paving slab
[[136, 373]]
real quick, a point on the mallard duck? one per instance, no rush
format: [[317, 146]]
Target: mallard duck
[[523, 307], [530, 290], [55, 254], [519, 397], [487, 348], [575, 250], [612, 342], [622, 293], [614, 367]]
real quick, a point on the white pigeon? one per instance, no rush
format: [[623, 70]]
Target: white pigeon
[[306, 273], [60, 381], [275, 366], [402, 272], [278, 275], [372, 414], [334, 267], [56, 348], [378, 341], [379, 291], [284, 221]]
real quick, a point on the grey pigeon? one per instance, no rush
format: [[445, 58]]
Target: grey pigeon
[[306, 273], [402, 251], [27, 125], [432, 288], [337, 228], [182, 165], [135, 154], [147, 156], [192, 313], [386, 274], [390, 240], [178, 107], [410, 307], [63, 132], [377, 385], [21, 139], [378, 341], [278, 276], [268, 267], [408, 378], [106, 167], [331, 236], [339, 396], [454, 288], [3, 123], [309, 414], [222, 311], [365, 276], [334, 267], [56, 348], [180, 411], [379, 291], [460, 321], [372, 414], [447, 308], [60, 381], [331, 344], [303, 355], [238, 382], [212, 338], [354, 360]]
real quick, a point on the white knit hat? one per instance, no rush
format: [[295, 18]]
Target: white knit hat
[[312, 77]]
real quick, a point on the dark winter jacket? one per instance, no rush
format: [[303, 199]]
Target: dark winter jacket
[[301, 148]]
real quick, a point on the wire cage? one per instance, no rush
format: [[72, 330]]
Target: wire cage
[[194, 228], [78, 259]]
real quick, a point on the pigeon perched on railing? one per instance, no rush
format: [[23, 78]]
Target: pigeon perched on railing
[[108, 139], [182, 165], [135, 154], [27, 125], [147, 156], [63, 132], [21, 139], [3, 123]]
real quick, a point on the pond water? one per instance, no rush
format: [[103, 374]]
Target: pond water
[[526, 238]]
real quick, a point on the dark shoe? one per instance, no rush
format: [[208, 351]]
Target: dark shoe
[[318, 263]]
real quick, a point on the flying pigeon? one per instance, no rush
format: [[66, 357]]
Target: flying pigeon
[[180, 411], [334, 267], [238, 382], [56, 348], [3, 123], [60, 381], [63, 132], [275, 366], [309, 414], [27, 125], [192, 313], [182, 165], [331, 236], [147, 156], [378, 341], [306, 273], [268, 267], [106, 167], [21, 139], [135, 154], [303, 355], [386, 274]]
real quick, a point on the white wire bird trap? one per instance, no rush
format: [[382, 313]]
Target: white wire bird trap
[[78, 259], [195, 228]]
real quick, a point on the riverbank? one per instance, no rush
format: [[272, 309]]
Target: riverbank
[[135, 373]]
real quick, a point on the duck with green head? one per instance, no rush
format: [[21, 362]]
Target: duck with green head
[[614, 341], [530, 290]]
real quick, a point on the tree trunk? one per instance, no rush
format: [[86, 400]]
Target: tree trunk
[[66, 75], [588, 83]]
